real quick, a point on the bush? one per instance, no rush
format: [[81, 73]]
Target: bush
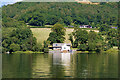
[[46, 49], [37, 48], [14, 47], [82, 47]]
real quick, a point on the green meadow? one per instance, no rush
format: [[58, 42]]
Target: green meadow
[[42, 34]]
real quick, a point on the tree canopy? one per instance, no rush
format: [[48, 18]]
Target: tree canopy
[[57, 34], [15, 39], [40, 14]]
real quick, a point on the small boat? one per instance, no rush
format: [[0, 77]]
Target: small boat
[[8, 52], [64, 51]]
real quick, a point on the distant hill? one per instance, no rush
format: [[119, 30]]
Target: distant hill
[[40, 14]]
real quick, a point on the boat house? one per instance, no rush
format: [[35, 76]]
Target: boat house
[[85, 26], [61, 46]]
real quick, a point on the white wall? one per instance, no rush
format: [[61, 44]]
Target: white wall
[[65, 47], [56, 48]]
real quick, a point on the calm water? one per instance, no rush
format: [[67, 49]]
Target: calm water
[[62, 65]]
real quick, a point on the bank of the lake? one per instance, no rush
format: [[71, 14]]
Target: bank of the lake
[[112, 50], [27, 52], [85, 51]]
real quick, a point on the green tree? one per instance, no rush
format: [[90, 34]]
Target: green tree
[[68, 20], [37, 20], [14, 47], [52, 37], [37, 48], [21, 36], [82, 47], [53, 12], [57, 34], [81, 36], [91, 45], [104, 27], [112, 37], [52, 19], [71, 39], [46, 48], [94, 41], [10, 22]]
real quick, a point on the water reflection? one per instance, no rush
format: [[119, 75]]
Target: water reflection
[[65, 59], [61, 59], [56, 59], [60, 65], [41, 66], [16, 66]]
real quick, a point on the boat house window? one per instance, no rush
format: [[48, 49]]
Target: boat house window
[[64, 47]]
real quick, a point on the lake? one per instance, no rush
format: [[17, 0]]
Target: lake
[[64, 65]]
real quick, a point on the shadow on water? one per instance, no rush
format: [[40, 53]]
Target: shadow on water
[[119, 64], [60, 65]]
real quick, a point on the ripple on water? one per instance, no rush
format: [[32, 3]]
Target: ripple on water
[[68, 77]]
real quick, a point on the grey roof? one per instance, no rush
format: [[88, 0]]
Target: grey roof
[[60, 44]]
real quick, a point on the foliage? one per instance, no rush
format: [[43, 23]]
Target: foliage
[[14, 47], [46, 48], [80, 36], [71, 38], [91, 41], [37, 20], [112, 37], [82, 47], [37, 47], [68, 20], [57, 34], [15, 39], [59, 29], [104, 27], [41, 14], [16, 16], [10, 22], [53, 37], [91, 46], [42, 34]]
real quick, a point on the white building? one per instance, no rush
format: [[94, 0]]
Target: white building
[[85, 26], [61, 46]]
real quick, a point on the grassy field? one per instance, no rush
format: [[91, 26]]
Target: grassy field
[[43, 33]]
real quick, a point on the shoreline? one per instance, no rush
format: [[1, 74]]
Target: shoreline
[[27, 52], [112, 50]]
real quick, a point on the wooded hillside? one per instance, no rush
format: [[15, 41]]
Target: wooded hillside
[[40, 14]]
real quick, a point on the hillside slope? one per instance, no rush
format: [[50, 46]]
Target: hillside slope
[[40, 14], [42, 34]]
